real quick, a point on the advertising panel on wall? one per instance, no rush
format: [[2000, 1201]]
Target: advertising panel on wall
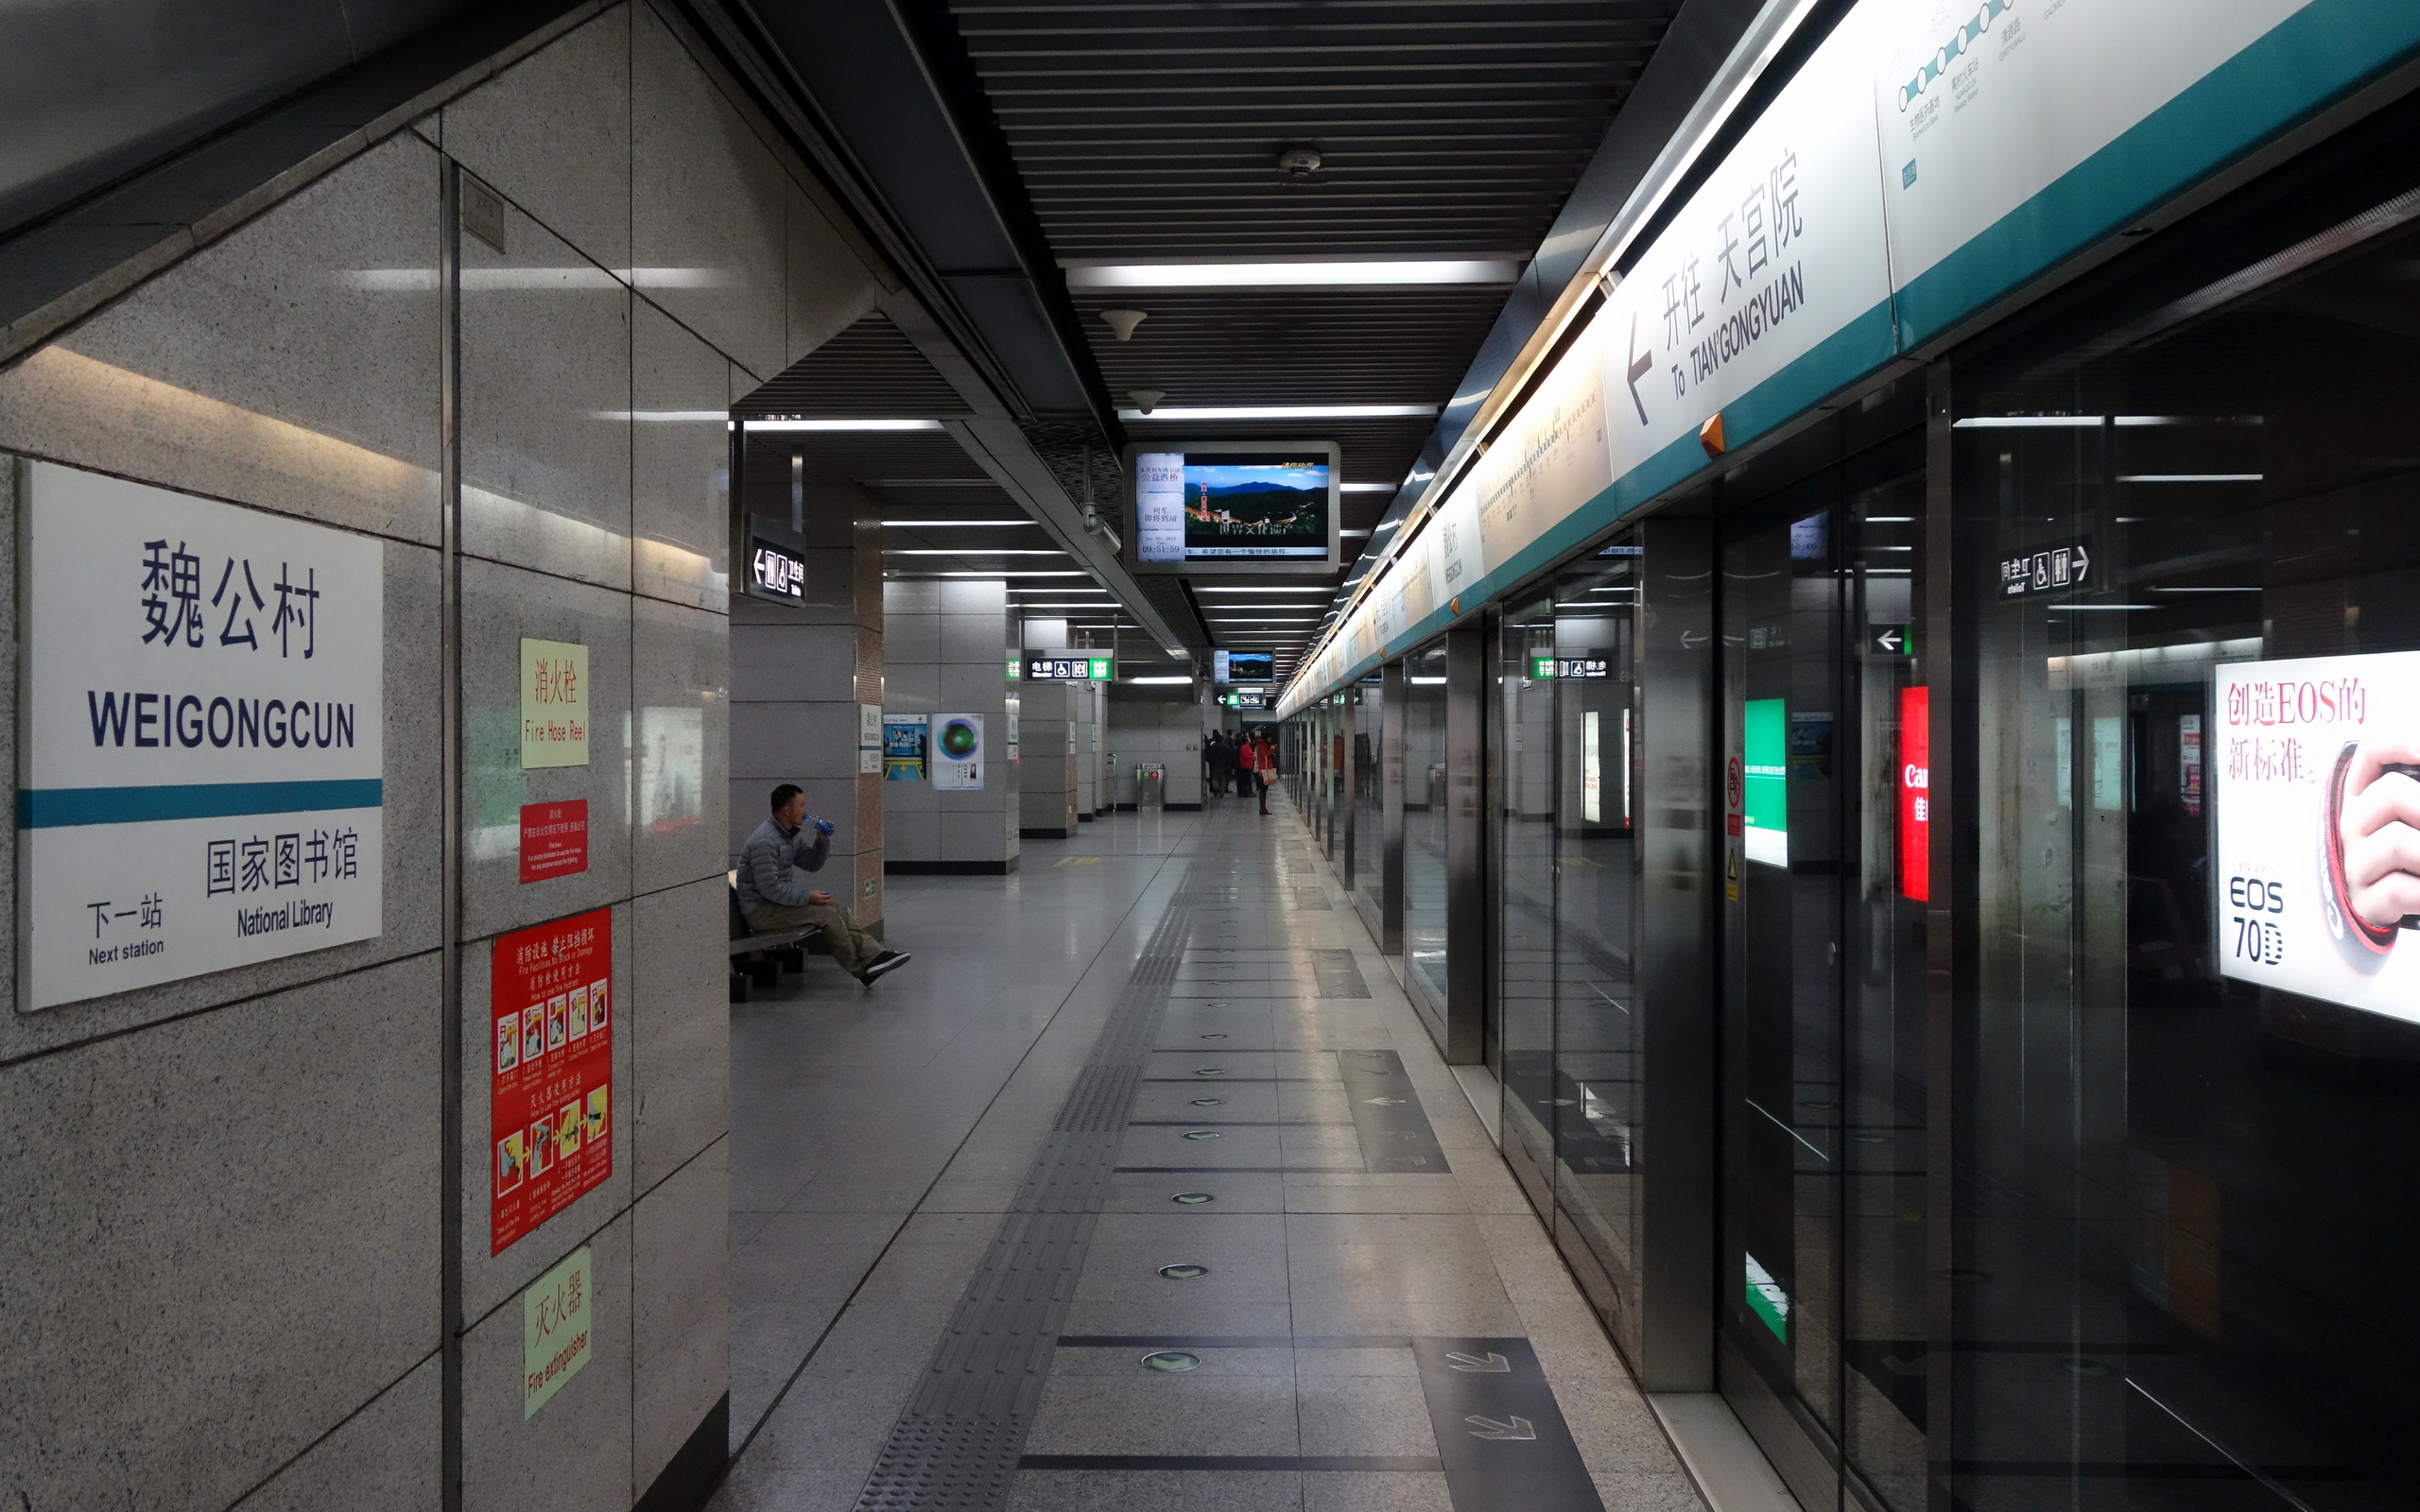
[[550, 994], [902, 746], [958, 752], [2314, 802], [203, 737]]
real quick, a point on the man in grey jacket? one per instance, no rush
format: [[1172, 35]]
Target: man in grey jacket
[[770, 898]]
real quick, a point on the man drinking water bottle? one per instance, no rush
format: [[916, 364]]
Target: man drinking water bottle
[[771, 897]]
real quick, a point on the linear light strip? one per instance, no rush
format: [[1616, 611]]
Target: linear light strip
[[1291, 275]]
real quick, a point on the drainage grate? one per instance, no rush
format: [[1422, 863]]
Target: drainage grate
[[957, 1444]]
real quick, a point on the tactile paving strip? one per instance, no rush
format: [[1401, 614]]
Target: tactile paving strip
[[957, 1444]]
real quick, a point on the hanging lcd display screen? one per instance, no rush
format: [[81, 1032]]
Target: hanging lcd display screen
[[1230, 506]]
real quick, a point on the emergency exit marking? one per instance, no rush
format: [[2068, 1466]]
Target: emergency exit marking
[[555, 1339], [554, 704]]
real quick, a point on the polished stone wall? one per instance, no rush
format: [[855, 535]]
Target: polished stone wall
[[224, 1271], [1148, 725], [945, 649]]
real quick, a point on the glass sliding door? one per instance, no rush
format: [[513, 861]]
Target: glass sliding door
[[1595, 1104], [1424, 824], [1522, 839], [2191, 1126], [1369, 820], [1820, 1340]]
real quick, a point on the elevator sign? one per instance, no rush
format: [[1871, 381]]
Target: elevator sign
[[204, 755]]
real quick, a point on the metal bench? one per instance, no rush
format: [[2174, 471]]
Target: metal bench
[[759, 959]]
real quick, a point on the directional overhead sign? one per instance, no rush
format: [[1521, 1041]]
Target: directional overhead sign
[[1890, 640], [2050, 570]]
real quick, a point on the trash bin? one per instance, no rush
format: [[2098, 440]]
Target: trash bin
[[1150, 785]]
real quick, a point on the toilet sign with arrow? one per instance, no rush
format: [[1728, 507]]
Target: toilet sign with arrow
[[2050, 570]]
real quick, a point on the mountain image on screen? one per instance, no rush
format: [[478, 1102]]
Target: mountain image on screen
[[1239, 504]]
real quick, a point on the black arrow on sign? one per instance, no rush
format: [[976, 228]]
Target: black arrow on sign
[[1639, 367]]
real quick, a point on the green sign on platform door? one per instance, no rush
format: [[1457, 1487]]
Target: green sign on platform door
[[1766, 800]]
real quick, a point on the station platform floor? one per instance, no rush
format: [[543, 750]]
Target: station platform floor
[[956, 1198]]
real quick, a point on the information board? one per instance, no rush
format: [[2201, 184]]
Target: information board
[[204, 739], [550, 1002], [2315, 784]]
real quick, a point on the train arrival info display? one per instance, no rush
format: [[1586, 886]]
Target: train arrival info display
[[2316, 800], [551, 999], [205, 754]]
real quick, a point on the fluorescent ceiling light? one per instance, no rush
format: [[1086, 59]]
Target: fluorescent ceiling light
[[1178, 412], [973, 551], [2027, 423], [1292, 275], [1155, 679], [1352, 535], [2191, 477], [1009, 571], [933, 525], [785, 427], [477, 280], [1890, 518], [1366, 488], [668, 416], [2250, 590], [1222, 589], [1423, 680], [2065, 609]]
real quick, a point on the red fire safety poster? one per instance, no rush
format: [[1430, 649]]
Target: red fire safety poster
[[553, 1049]]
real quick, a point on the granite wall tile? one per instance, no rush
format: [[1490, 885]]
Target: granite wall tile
[[680, 1308], [552, 133], [708, 215], [680, 464], [681, 743], [574, 1453], [222, 1238], [501, 607], [386, 1457], [679, 1020], [292, 365], [546, 407]]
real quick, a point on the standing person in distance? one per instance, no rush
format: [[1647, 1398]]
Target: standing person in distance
[[1222, 764], [1248, 757], [770, 898], [1267, 768]]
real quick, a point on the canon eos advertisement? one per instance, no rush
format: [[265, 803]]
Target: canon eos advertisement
[[2317, 781]]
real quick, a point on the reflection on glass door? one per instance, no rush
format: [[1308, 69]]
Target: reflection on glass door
[[1821, 1344], [1524, 877], [1596, 1101], [1424, 829]]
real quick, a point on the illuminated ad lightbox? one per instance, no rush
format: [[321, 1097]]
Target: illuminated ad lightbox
[[2315, 788], [1233, 506]]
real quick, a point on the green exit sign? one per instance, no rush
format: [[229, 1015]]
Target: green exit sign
[[1541, 668], [1100, 670]]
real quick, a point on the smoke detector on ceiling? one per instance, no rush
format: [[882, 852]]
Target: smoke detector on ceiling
[[1146, 400], [1298, 162], [1124, 322]]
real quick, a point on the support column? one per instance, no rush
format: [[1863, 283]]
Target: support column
[[804, 676], [947, 647]]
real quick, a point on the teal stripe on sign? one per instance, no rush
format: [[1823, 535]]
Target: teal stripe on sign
[[2305, 61], [51, 808]]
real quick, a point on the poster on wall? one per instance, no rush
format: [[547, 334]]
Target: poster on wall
[[2314, 780], [204, 746], [958, 752], [550, 998], [902, 747]]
